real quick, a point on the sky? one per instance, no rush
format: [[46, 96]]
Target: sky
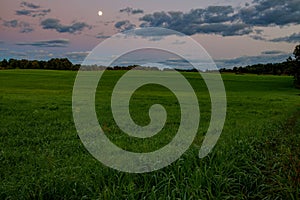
[[233, 32]]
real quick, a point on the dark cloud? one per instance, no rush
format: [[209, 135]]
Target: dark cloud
[[29, 5], [102, 36], [32, 10], [271, 12], [152, 33], [24, 12], [151, 57], [46, 43], [217, 14], [294, 38], [132, 11], [26, 30], [137, 11], [55, 24], [224, 29], [176, 63], [124, 25], [214, 19], [11, 24], [23, 26], [251, 60], [272, 52], [226, 20], [258, 31], [33, 13], [155, 32], [258, 37], [106, 23], [212, 14]]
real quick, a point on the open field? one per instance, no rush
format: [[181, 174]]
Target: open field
[[42, 157]]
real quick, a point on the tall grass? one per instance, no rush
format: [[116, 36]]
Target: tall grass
[[41, 156]]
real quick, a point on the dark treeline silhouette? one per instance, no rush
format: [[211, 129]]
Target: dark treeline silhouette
[[284, 68], [132, 67], [289, 67], [296, 65], [61, 64], [122, 68], [52, 64]]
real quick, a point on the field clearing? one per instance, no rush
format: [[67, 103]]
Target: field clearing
[[42, 157]]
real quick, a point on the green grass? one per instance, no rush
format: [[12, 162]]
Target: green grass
[[42, 157]]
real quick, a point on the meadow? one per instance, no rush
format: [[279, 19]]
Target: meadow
[[42, 157]]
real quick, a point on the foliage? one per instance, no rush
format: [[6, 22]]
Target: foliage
[[53, 64], [284, 68], [297, 66], [289, 67]]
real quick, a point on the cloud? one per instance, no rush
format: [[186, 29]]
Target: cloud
[[124, 25], [211, 20], [29, 5], [258, 37], [33, 13], [46, 43], [23, 26], [33, 54], [195, 17], [18, 54], [271, 12], [224, 29], [108, 22], [137, 11], [132, 11], [294, 38], [24, 12], [154, 32], [26, 30], [32, 10], [11, 24], [226, 20], [77, 57], [272, 52], [251, 60], [55, 24], [101, 36]]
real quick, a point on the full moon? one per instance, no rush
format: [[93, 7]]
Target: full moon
[[100, 13]]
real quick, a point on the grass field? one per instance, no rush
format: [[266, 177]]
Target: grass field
[[42, 157]]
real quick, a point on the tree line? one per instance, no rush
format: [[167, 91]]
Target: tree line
[[284, 68], [290, 67], [52, 64]]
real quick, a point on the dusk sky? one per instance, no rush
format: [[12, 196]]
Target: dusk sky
[[233, 32]]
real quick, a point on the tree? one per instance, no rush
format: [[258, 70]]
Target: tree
[[297, 52], [4, 64], [297, 66], [13, 64]]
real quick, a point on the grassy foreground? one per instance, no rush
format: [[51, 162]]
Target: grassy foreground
[[41, 156]]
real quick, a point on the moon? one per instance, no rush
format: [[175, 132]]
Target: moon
[[100, 13]]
